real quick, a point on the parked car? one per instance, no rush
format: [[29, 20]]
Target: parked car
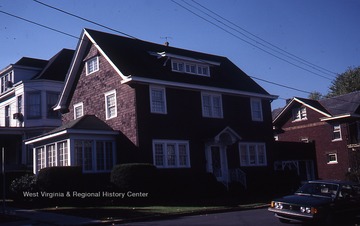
[[319, 202]]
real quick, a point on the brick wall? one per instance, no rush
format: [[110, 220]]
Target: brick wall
[[322, 134]]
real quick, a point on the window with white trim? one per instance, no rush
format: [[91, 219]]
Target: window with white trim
[[211, 105], [158, 100], [33, 105], [110, 104], [252, 154], [171, 154], [7, 81], [40, 158], [92, 65], [331, 158], [63, 153], [337, 132], [256, 110], [51, 155], [78, 110], [299, 114], [190, 67]]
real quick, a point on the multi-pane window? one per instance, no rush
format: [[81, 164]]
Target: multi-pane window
[[252, 154], [94, 155], [171, 154], [190, 67], [211, 105], [88, 155], [299, 114], [33, 105], [7, 115], [256, 110], [337, 132], [51, 155], [331, 158], [19, 104], [104, 155], [92, 65], [6, 82], [158, 100], [78, 110], [40, 158], [110, 104], [63, 154], [51, 99]]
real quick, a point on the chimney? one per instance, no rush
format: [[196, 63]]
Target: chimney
[[166, 43]]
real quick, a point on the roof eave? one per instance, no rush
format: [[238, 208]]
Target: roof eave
[[140, 79]]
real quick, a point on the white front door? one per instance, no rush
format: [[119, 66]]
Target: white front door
[[217, 162]]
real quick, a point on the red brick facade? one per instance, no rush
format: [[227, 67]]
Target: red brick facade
[[321, 133]]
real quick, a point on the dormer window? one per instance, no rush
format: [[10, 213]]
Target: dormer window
[[190, 67], [6, 82]]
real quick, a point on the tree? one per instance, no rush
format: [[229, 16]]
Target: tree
[[315, 95], [347, 82]]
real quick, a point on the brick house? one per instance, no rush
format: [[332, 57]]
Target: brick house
[[29, 89], [174, 108], [332, 124]]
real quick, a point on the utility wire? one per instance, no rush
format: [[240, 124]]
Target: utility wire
[[87, 20], [314, 66], [41, 25], [256, 46]]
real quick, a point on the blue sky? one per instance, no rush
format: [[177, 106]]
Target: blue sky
[[322, 36]]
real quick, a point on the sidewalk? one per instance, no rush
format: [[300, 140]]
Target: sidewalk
[[33, 217]]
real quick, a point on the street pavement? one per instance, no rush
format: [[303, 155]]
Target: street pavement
[[39, 218]]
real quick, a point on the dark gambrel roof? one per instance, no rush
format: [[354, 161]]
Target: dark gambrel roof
[[344, 104], [31, 62], [57, 66], [132, 57]]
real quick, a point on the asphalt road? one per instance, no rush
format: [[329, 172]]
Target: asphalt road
[[239, 218], [257, 217]]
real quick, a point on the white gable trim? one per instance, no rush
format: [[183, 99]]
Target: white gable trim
[[289, 105], [106, 56], [197, 87], [311, 107]]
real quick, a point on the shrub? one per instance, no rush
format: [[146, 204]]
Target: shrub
[[60, 179], [136, 177], [26, 183]]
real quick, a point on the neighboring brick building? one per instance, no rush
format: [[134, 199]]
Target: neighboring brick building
[[175, 108], [333, 124]]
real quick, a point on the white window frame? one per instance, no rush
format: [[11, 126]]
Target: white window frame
[[51, 158], [189, 67], [109, 107], [329, 160], [164, 144], [78, 106], [162, 102], [212, 111], [299, 114], [40, 158], [256, 114], [245, 158], [92, 65], [337, 129], [63, 153]]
